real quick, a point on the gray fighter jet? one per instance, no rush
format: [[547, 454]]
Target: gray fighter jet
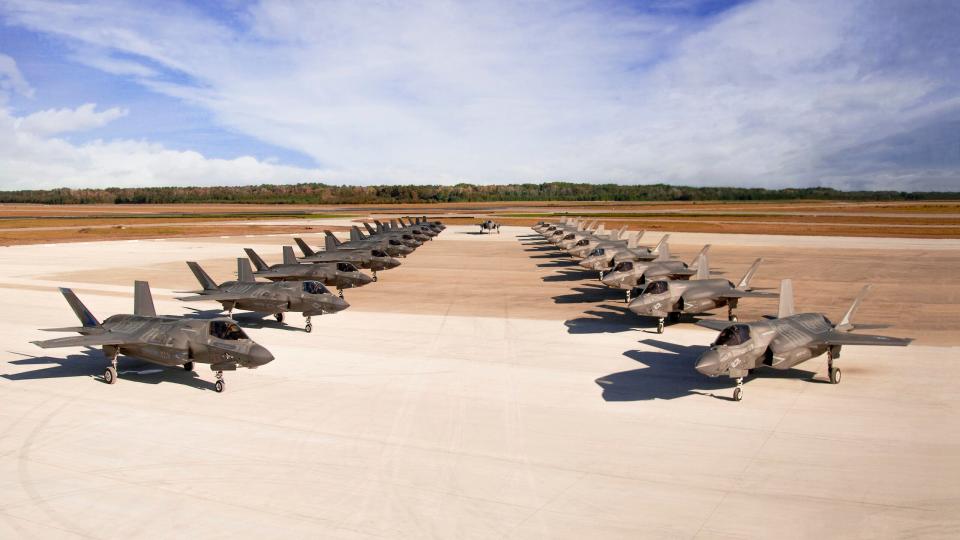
[[585, 246], [374, 259], [342, 275], [628, 275], [395, 245], [605, 257], [386, 231], [783, 341], [664, 298], [168, 341], [490, 226], [276, 298]]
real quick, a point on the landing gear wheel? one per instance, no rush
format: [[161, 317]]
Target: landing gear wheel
[[738, 394], [188, 366], [835, 375], [308, 328], [340, 292], [660, 326], [110, 375], [374, 277], [218, 386], [278, 317], [732, 318]]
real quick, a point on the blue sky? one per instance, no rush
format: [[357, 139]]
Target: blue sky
[[767, 93]]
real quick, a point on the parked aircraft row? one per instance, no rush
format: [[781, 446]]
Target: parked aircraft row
[[659, 286], [296, 285]]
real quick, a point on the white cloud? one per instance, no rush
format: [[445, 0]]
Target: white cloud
[[53, 121], [32, 160], [11, 79], [765, 94]]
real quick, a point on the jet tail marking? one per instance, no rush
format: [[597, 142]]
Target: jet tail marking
[[205, 280], [288, 256], [244, 271], [786, 308], [80, 310], [845, 322], [745, 282], [143, 300], [304, 247], [258, 262], [704, 251]]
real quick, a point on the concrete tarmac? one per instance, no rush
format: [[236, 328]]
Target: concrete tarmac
[[483, 389]]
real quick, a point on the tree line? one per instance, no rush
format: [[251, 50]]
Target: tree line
[[317, 193]]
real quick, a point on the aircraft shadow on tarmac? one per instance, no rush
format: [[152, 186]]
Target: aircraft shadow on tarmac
[[608, 319], [670, 374], [555, 263], [590, 292], [91, 363], [572, 275]]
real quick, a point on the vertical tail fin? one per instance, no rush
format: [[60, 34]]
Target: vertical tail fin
[[80, 310], [620, 232], [288, 255], [258, 262], [703, 267], [380, 227], [786, 308], [845, 322], [330, 243], [704, 251], [304, 247], [206, 282], [745, 282], [244, 272], [369, 228], [354, 234], [143, 300], [331, 236], [634, 241], [663, 249]]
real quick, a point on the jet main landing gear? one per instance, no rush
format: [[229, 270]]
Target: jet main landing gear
[[738, 391], [110, 374], [188, 366], [309, 327], [730, 316], [660, 325], [219, 385], [835, 373], [374, 275]]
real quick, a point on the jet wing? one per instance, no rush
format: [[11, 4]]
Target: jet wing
[[224, 296], [835, 337], [737, 293], [85, 341], [714, 324], [684, 272]]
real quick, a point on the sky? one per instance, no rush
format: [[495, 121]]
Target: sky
[[764, 93]]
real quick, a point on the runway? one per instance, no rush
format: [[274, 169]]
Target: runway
[[484, 389]]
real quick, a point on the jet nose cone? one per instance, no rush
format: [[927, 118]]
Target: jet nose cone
[[639, 306], [335, 304], [609, 280], [709, 363], [392, 263], [363, 279], [587, 263], [259, 355]]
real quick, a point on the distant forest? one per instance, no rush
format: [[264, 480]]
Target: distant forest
[[314, 193]]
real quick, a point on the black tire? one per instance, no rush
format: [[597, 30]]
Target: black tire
[[732, 318], [188, 366], [835, 376], [110, 375], [218, 386], [659, 327], [738, 394], [278, 317], [308, 328]]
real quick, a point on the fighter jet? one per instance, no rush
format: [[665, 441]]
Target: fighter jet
[[600, 234], [399, 244], [307, 297], [571, 233], [585, 245], [628, 275], [606, 256], [342, 275], [490, 226], [665, 298], [168, 341], [374, 259], [385, 231], [784, 341]]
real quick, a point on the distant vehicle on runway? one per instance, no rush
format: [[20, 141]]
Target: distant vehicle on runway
[[784, 341], [489, 226], [167, 341]]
